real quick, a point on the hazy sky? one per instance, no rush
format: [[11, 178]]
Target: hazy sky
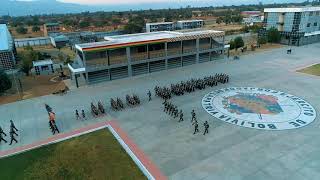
[[131, 1], [114, 1]]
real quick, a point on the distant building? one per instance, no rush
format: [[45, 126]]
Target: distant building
[[250, 13], [59, 41], [160, 26], [7, 49], [298, 26], [135, 54], [252, 20], [43, 67], [49, 28], [190, 24]]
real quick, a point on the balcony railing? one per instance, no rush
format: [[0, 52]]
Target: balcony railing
[[189, 49], [156, 54], [174, 51], [204, 47], [117, 59], [139, 56], [98, 61]]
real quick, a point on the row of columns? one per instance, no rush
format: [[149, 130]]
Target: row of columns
[[129, 60]]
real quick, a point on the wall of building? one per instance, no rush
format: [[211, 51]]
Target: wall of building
[[6, 60], [272, 20], [131, 61]]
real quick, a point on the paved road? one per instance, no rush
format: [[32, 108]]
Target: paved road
[[228, 152]]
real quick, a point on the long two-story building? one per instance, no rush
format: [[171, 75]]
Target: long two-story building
[[160, 26], [298, 26], [134, 54]]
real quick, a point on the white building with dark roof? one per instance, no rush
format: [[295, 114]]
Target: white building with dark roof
[[190, 24], [43, 67], [135, 54], [7, 49], [160, 26]]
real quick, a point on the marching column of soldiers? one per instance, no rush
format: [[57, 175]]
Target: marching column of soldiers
[[189, 86], [163, 92], [52, 122], [133, 100], [12, 133], [96, 111], [172, 110]]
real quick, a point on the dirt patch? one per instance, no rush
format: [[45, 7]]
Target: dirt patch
[[32, 86]]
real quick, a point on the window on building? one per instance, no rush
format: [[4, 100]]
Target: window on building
[[309, 24], [311, 14], [318, 13], [315, 24], [44, 68]]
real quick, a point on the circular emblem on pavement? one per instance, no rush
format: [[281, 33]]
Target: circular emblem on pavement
[[259, 108]]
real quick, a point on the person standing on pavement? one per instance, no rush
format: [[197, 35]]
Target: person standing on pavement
[[149, 95], [206, 128]]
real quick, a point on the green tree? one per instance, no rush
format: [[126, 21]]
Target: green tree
[[116, 21], [35, 28], [67, 60], [22, 30], [219, 20], [232, 46], [135, 25], [273, 35], [238, 42], [262, 40], [5, 82], [84, 24], [26, 58]]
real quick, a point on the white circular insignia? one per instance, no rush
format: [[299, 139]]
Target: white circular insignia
[[259, 108]]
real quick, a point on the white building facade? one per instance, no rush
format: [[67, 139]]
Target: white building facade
[[160, 26], [190, 24], [298, 26]]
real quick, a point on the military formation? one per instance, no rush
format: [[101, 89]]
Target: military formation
[[133, 100], [52, 120], [189, 86], [165, 93], [183, 87], [97, 110], [12, 132], [174, 112], [171, 109], [118, 105]]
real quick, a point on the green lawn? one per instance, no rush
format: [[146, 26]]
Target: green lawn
[[97, 155], [313, 70]]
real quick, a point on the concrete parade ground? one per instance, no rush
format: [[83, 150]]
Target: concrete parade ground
[[227, 152]]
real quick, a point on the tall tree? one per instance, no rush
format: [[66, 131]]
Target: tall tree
[[22, 30], [27, 57], [238, 42], [135, 25], [5, 82], [35, 28], [273, 35]]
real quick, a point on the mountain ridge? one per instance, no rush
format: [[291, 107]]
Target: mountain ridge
[[40, 7]]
